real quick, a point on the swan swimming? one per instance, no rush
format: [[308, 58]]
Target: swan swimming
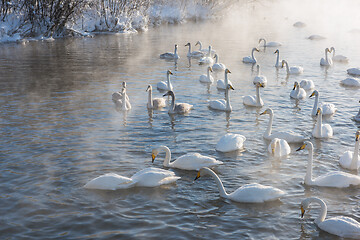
[[321, 130], [170, 55], [251, 59], [249, 193], [179, 108], [205, 50], [297, 92], [154, 103], [326, 61], [341, 226], [230, 142], [269, 44], [277, 64], [218, 67], [350, 82], [222, 104], [259, 78], [207, 59], [327, 108], [350, 160], [316, 37], [338, 58], [194, 54], [292, 70], [189, 161], [222, 84], [331, 179], [307, 84], [354, 71], [254, 101], [117, 98], [166, 86], [279, 147], [299, 24], [148, 177], [289, 136], [207, 78]]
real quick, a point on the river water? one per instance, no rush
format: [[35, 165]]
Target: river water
[[60, 129]]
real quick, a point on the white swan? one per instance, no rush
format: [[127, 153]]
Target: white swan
[[117, 97], [205, 50], [207, 59], [307, 84], [350, 160], [316, 37], [326, 61], [222, 104], [218, 67], [170, 55], [331, 179], [194, 54], [269, 44], [154, 103], [251, 59], [292, 70], [166, 86], [321, 130], [189, 161], [299, 24], [207, 78], [327, 108], [230, 142], [297, 92], [259, 78], [341, 226], [357, 117], [350, 82], [254, 101], [124, 103], [148, 177], [179, 108], [277, 64], [222, 84], [354, 71], [289, 136], [279, 147], [338, 58], [249, 193]]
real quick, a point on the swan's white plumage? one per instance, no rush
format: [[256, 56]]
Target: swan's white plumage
[[194, 54], [295, 70], [207, 78], [218, 67], [165, 86], [279, 147], [353, 71], [299, 24], [327, 108], [222, 104], [154, 103], [338, 58], [327, 60], [230, 142], [110, 181], [349, 159], [269, 44], [254, 101], [321, 130], [350, 82], [250, 59], [297, 92], [207, 60], [316, 37], [307, 84], [259, 78], [169, 55], [223, 83]]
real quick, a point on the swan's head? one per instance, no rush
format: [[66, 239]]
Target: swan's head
[[149, 88], [229, 86], [258, 67], [307, 145], [327, 50], [277, 51], [203, 171], [154, 153], [357, 135], [210, 69], [267, 111], [215, 56], [262, 39], [188, 44], [332, 49], [256, 49], [210, 48], [124, 84], [197, 43], [319, 110], [314, 93], [259, 85], [169, 93], [273, 144], [304, 206], [295, 85], [169, 72], [228, 71]]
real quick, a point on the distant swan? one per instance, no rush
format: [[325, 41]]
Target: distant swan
[[341, 226], [321, 130], [292, 70], [222, 104], [350, 82], [194, 54], [289, 136], [316, 37], [307, 84], [167, 86], [299, 24], [353, 71], [297, 92], [154, 103], [259, 78], [207, 59], [189, 161], [279, 147], [117, 98], [179, 108], [326, 61], [148, 177], [222, 84], [254, 101], [331, 179], [207, 78], [338, 58], [205, 50], [277, 64], [218, 67], [251, 59], [269, 44], [350, 160], [170, 55], [249, 193], [327, 108], [230, 142]]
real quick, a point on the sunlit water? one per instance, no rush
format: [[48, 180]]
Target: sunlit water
[[59, 129]]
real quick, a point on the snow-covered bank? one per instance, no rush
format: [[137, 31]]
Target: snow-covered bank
[[19, 20]]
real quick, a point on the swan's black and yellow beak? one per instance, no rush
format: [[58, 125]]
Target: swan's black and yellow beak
[[318, 112], [197, 176], [276, 51], [257, 50], [294, 86], [170, 72], [228, 71], [153, 157], [264, 112], [210, 69], [302, 212], [313, 94], [231, 87], [357, 136], [302, 147]]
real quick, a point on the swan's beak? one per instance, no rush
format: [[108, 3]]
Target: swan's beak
[[357, 136], [263, 113], [170, 72], [318, 112], [276, 51], [231, 87], [196, 43], [313, 94], [197, 176], [261, 85], [294, 86], [302, 147], [153, 157], [273, 150], [210, 69], [257, 50], [302, 212], [147, 88]]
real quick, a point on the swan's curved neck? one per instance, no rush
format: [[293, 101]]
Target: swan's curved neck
[[227, 99], [316, 103], [175, 52], [355, 159], [252, 55], [200, 45], [124, 99], [287, 67], [150, 101], [208, 73], [333, 49], [227, 81], [318, 125], [258, 97], [172, 105], [264, 42], [216, 58], [323, 210], [189, 49], [326, 55], [308, 176], [168, 81], [268, 130], [167, 156], [277, 152], [218, 183], [277, 64]]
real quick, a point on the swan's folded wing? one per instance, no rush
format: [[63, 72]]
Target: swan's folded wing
[[109, 181]]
